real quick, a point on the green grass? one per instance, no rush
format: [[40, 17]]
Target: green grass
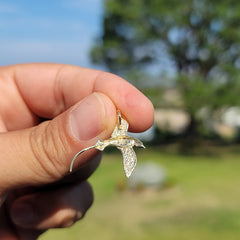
[[201, 200]]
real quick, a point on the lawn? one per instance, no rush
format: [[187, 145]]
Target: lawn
[[201, 200]]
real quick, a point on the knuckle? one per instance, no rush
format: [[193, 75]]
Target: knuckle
[[48, 146], [67, 221]]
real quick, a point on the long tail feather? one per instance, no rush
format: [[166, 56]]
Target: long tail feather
[[75, 157]]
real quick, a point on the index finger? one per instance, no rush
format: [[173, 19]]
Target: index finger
[[49, 89]]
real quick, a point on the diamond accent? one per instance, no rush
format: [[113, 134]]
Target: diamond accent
[[122, 141]]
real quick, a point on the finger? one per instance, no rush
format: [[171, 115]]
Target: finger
[[2, 198], [49, 89], [43, 154], [28, 234], [81, 173], [68, 205], [6, 232]]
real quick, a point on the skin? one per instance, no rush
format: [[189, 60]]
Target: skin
[[49, 112]]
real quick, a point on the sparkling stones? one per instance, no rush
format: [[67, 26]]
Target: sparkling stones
[[122, 141]]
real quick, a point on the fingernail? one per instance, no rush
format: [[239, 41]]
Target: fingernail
[[87, 118], [23, 214]]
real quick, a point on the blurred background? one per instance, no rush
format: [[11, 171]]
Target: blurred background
[[185, 56]]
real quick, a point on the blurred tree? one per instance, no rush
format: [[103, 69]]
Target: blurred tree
[[198, 41]]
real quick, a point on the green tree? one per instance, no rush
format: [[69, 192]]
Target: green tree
[[197, 41]]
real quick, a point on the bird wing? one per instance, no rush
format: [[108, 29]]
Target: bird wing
[[120, 130], [129, 160]]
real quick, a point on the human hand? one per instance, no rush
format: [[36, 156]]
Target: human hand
[[48, 112]]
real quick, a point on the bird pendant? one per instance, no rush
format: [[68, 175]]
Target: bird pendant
[[122, 141]]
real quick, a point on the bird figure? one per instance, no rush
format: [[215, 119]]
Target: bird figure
[[122, 141]]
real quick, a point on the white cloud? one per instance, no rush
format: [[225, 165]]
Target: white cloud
[[9, 8], [49, 38], [39, 51], [62, 41]]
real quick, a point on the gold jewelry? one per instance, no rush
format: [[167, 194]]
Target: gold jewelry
[[122, 141]]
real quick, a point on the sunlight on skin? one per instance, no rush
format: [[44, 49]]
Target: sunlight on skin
[[42, 150]]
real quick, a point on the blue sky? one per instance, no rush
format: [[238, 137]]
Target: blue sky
[[59, 31]]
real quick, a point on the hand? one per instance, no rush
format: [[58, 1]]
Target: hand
[[48, 112]]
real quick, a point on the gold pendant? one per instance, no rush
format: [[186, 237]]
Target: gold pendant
[[122, 141]]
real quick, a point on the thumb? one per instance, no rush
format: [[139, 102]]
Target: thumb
[[42, 154]]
